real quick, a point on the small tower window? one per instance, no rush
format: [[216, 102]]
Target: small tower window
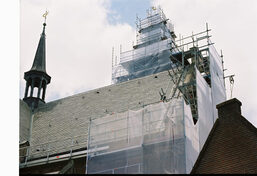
[[35, 91]]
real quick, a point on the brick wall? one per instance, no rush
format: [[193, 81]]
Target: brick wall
[[232, 144]]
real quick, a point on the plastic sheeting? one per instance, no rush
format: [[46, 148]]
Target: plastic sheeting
[[152, 52], [150, 140], [197, 134], [159, 138], [217, 80], [205, 109], [142, 52], [191, 138], [154, 17], [143, 66]]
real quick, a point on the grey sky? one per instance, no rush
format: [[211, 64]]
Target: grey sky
[[80, 40]]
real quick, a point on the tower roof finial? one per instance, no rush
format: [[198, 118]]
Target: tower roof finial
[[44, 15]]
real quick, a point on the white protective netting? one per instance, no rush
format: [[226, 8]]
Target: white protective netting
[[150, 140], [205, 108], [161, 137], [151, 53], [217, 80]]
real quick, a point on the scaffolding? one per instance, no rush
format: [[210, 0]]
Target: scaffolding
[[154, 16], [167, 136], [196, 70], [143, 141], [158, 50], [155, 38], [184, 86], [164, 136]]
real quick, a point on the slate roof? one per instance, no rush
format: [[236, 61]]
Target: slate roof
[[69, 117]]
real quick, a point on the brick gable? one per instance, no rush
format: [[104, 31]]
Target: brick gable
[[232, 144]]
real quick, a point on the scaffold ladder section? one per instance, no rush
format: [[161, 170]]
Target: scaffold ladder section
[[184, 81], [189, 93]]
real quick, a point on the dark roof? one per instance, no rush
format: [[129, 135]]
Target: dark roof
[[40, 57]]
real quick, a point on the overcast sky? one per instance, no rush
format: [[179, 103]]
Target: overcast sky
[[81, 33]]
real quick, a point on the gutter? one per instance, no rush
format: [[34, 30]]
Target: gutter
[[59, 158]]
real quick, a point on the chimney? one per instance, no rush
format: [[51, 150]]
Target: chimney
[[229, 108]]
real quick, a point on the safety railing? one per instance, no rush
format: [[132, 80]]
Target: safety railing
[[118, 71], [154, 17], [135, 169], [52, 148], [145, 51], [200, 40], [150, 37]]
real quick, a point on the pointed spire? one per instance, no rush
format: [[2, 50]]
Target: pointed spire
[[39, 63], [37, 77]]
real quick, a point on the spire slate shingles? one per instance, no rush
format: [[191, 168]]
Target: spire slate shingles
[[39, 63]]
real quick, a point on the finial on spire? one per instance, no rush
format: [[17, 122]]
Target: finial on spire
[[44, 15]]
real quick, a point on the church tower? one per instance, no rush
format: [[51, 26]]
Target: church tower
[[37, 78]]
